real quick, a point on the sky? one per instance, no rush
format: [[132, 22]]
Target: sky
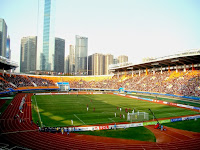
[[137, 28]]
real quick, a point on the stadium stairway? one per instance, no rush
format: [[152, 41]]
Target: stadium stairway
[[26, 135]]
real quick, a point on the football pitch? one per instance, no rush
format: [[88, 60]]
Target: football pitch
[[59, 110]]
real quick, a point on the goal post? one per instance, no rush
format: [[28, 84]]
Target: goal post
[[63, 86], [137, 116]]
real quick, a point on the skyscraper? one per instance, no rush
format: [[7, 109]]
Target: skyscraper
[[3, 37], [59, 55], [28, 54], [46, 39], [67, 64], [81, 55], [71, 60], [90, 65], [122, 59], [96, 64], [8, 51], [108, 61]]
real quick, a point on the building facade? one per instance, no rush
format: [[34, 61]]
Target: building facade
[[59, 55], [96, 64], [90, 65], [8, 51], [81, 55], [108, 58], [115, 61], [71, 60], [46, 38], [67, 65], [28, 54], [3, 37], [122, 59]]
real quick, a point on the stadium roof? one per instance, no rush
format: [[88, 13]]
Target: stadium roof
[[189, 57], [7, 64]]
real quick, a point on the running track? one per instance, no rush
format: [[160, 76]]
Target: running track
[[2, 101], [26, 135]]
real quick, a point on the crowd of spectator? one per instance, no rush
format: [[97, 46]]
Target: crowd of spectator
[[178, 83], [15, 81], [4, 84], [40, 81]]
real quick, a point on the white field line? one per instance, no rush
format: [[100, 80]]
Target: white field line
[[181, 134], [111, 119], [79, 118], [38, 112], [19, 131], [170, 113], [16, 147], [171, 136]]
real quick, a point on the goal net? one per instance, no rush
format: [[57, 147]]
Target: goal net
[[138, 116], [63, 86]]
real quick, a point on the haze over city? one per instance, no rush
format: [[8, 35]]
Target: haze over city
[[135, 28], [99, 74]]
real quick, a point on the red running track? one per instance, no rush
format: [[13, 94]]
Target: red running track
[[26, 135], [2, 101]]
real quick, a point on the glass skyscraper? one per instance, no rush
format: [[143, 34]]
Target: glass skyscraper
[[46, 37], [81, 55], [59, 55], [3, 37], [71, 59], [28, 54]]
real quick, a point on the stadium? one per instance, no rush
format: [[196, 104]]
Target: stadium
[[118, 111]]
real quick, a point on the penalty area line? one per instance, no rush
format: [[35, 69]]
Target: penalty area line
[[111, 119], [79, 118]]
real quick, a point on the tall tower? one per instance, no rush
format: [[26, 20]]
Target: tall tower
[[59, 55], [97, 64], [66, 70], [108, 61], [81, 55], [46, 38], [28, 54], [71, 59], [3, 37]]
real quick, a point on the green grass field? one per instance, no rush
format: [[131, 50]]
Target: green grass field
[[139, 133], [59, 110], [169, 99], [189, 125], [5, 105]]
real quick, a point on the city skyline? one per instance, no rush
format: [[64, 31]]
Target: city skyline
[[98, 63], [134, 28]]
